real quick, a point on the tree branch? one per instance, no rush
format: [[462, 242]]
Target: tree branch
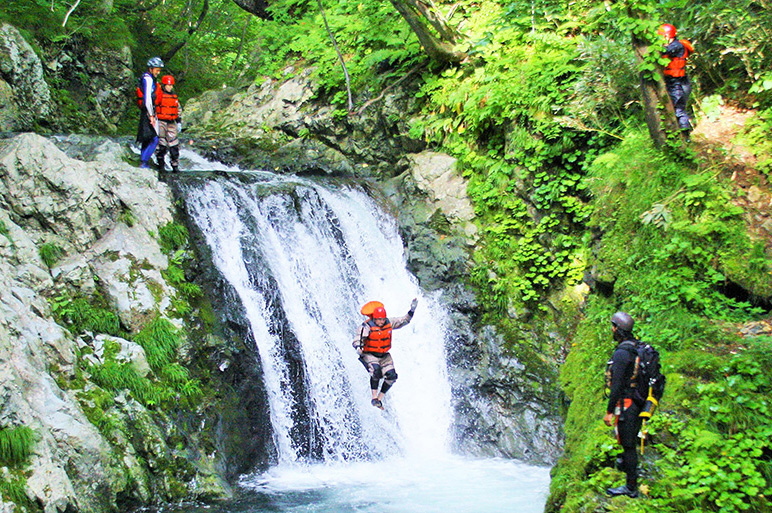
[[74, 6], [257, 7], [340, 57], [392, 86], [169, 54]]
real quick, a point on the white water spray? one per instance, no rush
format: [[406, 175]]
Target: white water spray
[[328, 251], [317, 254]]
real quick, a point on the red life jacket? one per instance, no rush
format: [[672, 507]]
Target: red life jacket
[[379, 339], [676, 66], [141, 95], [167, 106]]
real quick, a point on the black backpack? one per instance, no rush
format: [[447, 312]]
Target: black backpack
[[649, 378], [648, 382]]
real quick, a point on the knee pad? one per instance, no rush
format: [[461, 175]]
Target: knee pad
[[390, 376], [376, 372]]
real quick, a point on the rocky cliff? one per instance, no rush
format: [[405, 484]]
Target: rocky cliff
[[90, 286]]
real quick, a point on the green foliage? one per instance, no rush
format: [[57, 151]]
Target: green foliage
[[172, 236], [174, 241], [16, 445], [757, 136], [14, 490], [506, 122], [733, 44], [674, 247], [115, 376], [670, 238], [160, 340], [169, 383], [371, 35], [80, 315], [50, 254]]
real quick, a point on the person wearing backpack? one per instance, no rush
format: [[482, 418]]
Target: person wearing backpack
[[624, 405], [676, 82]]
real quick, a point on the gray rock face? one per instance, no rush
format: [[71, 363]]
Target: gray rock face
[[435, 174], [24, 94], [82, 207], [276, 125]]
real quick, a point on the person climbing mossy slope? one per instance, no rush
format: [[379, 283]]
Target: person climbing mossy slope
[[676, 81], [373, 344]]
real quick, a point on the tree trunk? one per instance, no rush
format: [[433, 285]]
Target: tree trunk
[[423, 16], [660, 116], [168, 55], [256, 7]]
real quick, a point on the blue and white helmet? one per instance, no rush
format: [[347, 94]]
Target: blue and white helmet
[[155, 62]]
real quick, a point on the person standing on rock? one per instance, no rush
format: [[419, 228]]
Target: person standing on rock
[[373, 344], [169, 125], [676, 82], [148, 93], [622, 412]]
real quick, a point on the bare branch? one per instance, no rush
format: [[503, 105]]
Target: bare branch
[[340, 57], [75, 5], [392, 86]]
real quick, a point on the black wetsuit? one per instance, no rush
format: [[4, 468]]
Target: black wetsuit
[[622, 366]]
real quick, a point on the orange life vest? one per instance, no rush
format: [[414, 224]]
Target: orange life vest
[[379, 339], [167, 106], [676, 66], [141, 95]]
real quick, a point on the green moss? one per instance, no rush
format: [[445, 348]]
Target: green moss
[[127, 217], [50, 254]]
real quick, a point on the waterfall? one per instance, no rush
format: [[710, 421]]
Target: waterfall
[[303, 256]]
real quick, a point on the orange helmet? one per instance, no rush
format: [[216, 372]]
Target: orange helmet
[[167, 80], [379, 313], [667, 30]]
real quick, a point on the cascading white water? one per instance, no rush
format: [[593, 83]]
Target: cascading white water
[[329, 251], [315, 254]]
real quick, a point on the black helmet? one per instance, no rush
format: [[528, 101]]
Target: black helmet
[[155, 62], [623, 321]]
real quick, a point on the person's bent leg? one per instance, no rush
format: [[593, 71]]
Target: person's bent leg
[[388, 380]]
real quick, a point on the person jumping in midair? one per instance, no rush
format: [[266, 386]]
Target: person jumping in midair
[[373, 344]]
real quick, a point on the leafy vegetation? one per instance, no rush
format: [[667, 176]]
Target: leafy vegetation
[[546, 120], [668, 254], [50, 254], [81, 314], [16, 446]]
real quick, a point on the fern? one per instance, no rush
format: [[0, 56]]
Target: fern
[[173, 236], [160, 341], [16, 445]]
